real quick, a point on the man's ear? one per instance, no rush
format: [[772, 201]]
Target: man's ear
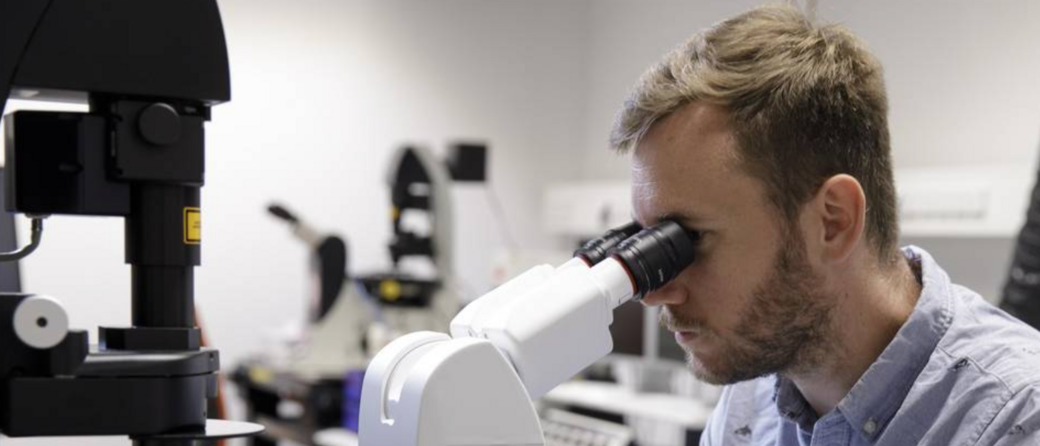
[[840, 207]]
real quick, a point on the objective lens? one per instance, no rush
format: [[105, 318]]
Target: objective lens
[[655, 255], [595, 250]]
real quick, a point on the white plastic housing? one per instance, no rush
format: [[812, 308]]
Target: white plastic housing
[[470, 321], [425, 389], [557, 328], [510, 346]]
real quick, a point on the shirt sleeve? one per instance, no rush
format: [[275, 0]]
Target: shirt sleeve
[[1017, 423]]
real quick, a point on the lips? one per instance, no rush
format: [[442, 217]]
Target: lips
[[684, 337], [686, 329]]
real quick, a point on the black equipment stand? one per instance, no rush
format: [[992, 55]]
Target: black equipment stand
[[150, 70]]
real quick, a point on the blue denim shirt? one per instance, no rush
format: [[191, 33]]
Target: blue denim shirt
[[959, 372]]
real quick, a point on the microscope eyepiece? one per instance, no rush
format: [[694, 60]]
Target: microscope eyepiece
[[598, 249], [656, 255]]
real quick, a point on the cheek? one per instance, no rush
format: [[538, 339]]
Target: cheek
[[719, 289]]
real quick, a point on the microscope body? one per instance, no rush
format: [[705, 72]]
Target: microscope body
[[514, 344], [433, 390], [507, 348]]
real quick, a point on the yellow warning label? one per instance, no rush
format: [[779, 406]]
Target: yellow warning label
[[260, 375], [192, 226], [390, 290]]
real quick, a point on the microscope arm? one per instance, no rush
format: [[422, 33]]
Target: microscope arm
[[554, 329]]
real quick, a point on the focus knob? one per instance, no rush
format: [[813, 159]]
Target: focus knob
[[160, 124]]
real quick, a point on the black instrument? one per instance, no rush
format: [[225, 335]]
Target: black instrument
[[1022, 288], [150, 70]]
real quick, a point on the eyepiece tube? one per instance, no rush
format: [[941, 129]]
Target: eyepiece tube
[[656, 255], [595, 250]]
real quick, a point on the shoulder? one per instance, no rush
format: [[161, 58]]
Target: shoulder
[[1017, 422], [745, 415], [992, 342], [982, 383]]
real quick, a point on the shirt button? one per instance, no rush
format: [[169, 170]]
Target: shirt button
[[870, 427]]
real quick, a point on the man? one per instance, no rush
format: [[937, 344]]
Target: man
[[769, 135]]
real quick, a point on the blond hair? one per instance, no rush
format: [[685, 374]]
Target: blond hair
[[806, 102]]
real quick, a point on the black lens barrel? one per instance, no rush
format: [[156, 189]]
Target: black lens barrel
[[656, 255], [595, 250]]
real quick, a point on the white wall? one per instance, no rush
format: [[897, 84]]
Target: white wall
[[962, 74], [627, 38]]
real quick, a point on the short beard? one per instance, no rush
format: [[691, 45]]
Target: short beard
[[786, 327]]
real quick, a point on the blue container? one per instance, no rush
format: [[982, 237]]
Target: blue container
[[352, 382]]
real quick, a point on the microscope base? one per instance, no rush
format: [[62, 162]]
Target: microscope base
[[426, 389]]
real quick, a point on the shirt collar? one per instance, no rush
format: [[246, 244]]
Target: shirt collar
[[792, 405], [875, 398]]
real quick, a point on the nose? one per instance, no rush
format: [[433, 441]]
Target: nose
[[670, 294]]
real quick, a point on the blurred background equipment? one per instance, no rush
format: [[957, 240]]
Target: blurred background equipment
[[1022, 286], [420, 292], [316, 384], [332, 339], [328, 263]]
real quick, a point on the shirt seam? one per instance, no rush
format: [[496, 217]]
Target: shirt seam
[[1007, 396], [1007, 387], [992, 417]]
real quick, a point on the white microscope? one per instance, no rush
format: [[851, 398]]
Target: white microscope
[[514, 344]]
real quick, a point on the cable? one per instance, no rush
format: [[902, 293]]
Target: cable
[[34, 242]]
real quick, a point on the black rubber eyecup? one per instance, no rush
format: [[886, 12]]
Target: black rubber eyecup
[[598, 249], [656, 255]]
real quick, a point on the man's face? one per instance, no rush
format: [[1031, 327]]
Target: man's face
[[750, 304]]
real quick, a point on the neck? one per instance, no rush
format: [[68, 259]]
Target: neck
[[869, 311]]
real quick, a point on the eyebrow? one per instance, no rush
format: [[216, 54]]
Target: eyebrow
[[684, 219]]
